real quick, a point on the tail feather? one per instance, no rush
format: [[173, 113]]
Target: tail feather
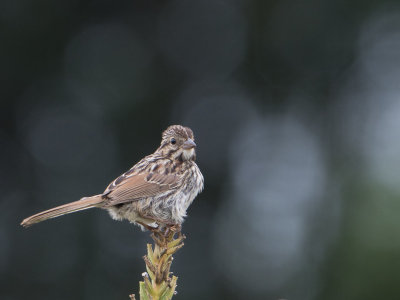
[[84, 203]]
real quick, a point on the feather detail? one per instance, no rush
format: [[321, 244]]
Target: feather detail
[[84, 203], [141, 186]]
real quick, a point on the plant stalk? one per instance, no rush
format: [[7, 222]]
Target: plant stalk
[[158, 284]]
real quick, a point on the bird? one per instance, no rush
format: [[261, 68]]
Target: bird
[[155, 193]]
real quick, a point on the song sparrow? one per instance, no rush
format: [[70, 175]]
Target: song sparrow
[[156, 191]]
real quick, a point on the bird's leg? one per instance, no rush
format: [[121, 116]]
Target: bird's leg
[[158, 238], [173, 244], [172, 229], [168, 227], [175, 227], [148, 227]]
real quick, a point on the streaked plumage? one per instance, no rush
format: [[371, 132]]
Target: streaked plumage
[[158, 189]]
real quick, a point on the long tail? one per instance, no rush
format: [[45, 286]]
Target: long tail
[[84, 203]]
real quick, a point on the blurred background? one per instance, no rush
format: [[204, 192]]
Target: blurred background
[[296, 112]]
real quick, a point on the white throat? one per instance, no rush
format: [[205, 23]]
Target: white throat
[[188, 154]]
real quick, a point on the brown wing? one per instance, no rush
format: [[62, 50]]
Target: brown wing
[[141, 186]]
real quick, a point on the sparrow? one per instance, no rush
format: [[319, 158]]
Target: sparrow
[[156, 192]]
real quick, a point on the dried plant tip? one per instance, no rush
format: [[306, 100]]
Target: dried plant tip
[[159, 283]]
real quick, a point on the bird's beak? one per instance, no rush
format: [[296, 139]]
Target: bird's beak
[[189, 144]]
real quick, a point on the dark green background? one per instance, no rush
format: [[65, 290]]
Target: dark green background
[[296, 112]]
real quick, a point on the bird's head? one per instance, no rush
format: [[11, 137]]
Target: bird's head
[[178, 143]]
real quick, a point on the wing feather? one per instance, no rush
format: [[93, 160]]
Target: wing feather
[[141, 186]]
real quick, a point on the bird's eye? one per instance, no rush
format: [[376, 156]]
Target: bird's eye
[[173, 141]]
